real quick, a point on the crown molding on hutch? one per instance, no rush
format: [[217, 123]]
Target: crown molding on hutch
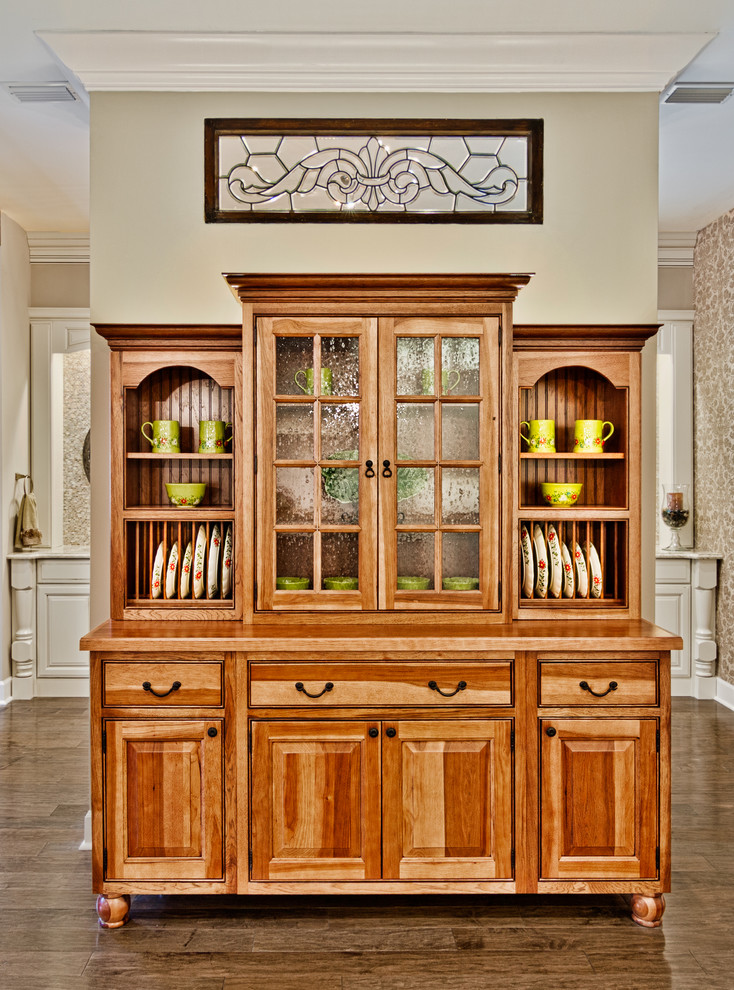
[[399, 62], [52, 247]]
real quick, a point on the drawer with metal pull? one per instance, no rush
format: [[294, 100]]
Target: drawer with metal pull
[[599, 683], [163, 683], [385, 684]]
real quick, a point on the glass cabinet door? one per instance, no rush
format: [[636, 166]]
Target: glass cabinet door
[[439, 449], [317, 494]]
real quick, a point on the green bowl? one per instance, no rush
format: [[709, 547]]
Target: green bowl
[[460, 584], [413, 583], [561, 496], [292, 583], [341, 583], [185, 496]]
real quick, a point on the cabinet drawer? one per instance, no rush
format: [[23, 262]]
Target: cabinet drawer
[[199, 683], [367, 685], [561, 682], [60, 571]]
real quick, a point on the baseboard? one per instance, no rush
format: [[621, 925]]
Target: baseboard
[[62, 687], [6, 691], [725, 693], [87, 840], [680, 688]]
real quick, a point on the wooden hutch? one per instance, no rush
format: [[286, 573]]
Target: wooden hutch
[[356, 686]]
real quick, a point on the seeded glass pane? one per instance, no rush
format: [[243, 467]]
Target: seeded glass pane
[[294, 495], [416, 496], [460, 496], [460, 559], [340, 559], [415, 365], [415, 431], [415, 559], [460, 365], [340, 365], [294, 432], [340, 431], [460, 432], [293, 365], [294, 559], [340, 496]]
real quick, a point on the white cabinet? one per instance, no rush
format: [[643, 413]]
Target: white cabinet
[[685, 603], [50, 591]]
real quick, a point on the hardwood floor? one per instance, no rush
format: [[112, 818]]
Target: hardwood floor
[[49, 936]]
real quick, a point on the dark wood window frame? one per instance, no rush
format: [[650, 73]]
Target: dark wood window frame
[[219, 127]]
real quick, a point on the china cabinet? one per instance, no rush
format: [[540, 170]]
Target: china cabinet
[[387, 701]]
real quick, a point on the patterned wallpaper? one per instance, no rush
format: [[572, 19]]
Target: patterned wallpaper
[[76, 424], [713, 385]]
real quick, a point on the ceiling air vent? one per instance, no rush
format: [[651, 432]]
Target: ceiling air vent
[[42, 92], [699, 93]]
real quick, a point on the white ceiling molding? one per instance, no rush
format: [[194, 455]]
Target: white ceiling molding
[[466, 63], [49, 248], [675, 248]]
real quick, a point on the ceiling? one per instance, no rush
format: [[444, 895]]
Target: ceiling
[[632, 44]]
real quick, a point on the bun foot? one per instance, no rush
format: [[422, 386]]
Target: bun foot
[[113, 912], [647, 911]]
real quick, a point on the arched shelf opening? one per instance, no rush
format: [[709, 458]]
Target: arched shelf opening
[[188, 396], [564, 395]]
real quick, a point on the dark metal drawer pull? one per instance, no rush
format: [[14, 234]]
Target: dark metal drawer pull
[[327, 687], [174, 687], [598, 694], [447, 694], [370, 472], [387, 473]]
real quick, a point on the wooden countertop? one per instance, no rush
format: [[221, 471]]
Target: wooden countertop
[[382, 636]]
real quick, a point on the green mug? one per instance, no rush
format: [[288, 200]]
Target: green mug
[[307, 387], [587, 435], [541, 437], [211, 436], [448, 381], [165, 439]]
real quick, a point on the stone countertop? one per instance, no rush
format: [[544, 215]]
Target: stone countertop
[[687, 554], [50, 553]]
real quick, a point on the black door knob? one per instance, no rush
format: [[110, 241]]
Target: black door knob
[[211, 732], [374, 732], [390, 733], [550, 732]]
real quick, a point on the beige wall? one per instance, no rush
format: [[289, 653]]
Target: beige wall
[[15, 280], [713, 386], [675, 288], [60, 285], [154, 258]]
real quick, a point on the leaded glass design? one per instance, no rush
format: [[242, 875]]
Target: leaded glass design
[[326, 174]]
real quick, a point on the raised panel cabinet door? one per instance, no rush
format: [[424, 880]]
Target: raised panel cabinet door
[[315, 801], [164, 800], [447, 800], [599, 799]]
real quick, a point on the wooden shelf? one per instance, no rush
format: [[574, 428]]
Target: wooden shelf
[[569, 456], [579, 513], [149, 456], [160, 513], [179, 603]]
